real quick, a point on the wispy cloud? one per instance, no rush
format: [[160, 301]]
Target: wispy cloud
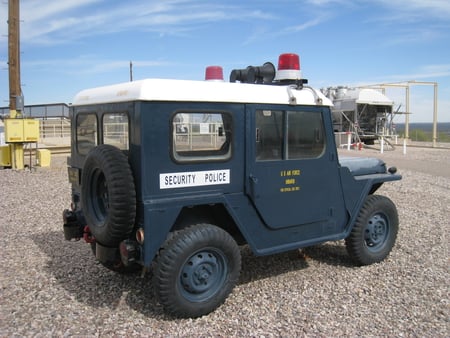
[[417, 9], [400, 8], [412, 35], [49, 23], [303, 26], [89, 64], [324, 3], [424, 15], [427, 72]]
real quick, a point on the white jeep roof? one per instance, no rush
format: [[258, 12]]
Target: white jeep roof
[[199, 91]]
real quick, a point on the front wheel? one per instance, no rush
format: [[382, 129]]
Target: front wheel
[[374, 232], [196, 270]]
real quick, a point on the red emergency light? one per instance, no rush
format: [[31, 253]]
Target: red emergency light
[[288, 67], [214, 73]]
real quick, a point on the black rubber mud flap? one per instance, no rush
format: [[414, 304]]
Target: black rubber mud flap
[[110, 259], [108, 194]]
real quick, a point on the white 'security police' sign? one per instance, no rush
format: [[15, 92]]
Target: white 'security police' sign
[[194, 179]]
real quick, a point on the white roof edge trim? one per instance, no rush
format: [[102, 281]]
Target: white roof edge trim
[[197, 91]]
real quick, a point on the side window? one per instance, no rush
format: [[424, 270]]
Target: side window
[[269, 135], [201, 136], [115, 130], [305, 135], [289, 135], [87, 131]]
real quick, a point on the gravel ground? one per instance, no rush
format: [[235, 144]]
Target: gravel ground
[[50, 287]]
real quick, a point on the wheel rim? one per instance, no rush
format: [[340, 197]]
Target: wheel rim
[[203, 275], [376, 232], [100, 198]]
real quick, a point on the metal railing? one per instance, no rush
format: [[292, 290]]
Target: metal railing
[[198, 136], [54, 128]]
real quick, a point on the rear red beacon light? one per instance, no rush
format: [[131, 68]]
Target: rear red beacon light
[[289, 61], [288, 67], [214, 73]]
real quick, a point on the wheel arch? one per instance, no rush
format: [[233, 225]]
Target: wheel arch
[[160, 225], [216, 214]]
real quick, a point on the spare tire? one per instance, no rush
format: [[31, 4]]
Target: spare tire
[[108, 194]]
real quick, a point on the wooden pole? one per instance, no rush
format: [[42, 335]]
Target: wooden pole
[[14, 77], [14, 55]]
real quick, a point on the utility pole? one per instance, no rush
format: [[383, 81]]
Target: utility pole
[[131, 71], [18, 130], [15, 92]]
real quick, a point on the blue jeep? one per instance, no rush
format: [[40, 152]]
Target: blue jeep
[[176, 175]]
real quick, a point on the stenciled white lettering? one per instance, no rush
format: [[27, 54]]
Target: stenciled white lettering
[[194, 179], [181, 179], [216, 177]]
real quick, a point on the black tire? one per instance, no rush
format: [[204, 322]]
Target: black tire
[[374, 232], [108, 194], [196, 270]]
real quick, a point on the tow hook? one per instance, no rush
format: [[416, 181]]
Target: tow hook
[[87, 235], [129, 252]]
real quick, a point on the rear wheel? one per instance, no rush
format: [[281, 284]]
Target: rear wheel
[[196, 270], [374, 232]]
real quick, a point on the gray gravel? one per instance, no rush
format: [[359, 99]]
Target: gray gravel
[[50, 287]]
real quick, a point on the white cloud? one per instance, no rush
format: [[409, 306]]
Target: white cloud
[[48, 23], [418, 8], [305, 25], [424, 73], [88, 64], [38, 10], [325, 3]]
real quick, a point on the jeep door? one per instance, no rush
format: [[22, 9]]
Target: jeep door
[[292, 169]]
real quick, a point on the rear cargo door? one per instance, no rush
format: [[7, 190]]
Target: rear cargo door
[[292, 169]]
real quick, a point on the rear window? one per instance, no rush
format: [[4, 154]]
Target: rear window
[[115, 130], [87, 131], [201, 136]]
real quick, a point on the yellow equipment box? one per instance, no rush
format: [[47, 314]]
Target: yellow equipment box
[[21, 130], [43, 157], [5, 156]]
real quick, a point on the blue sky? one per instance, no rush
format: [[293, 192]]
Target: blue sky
[[76, 44]]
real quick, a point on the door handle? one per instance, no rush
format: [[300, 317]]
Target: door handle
[[253, 182], [253, 179]]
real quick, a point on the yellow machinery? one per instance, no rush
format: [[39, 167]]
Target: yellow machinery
[[5, 156], [18, 131], [43, 157]]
